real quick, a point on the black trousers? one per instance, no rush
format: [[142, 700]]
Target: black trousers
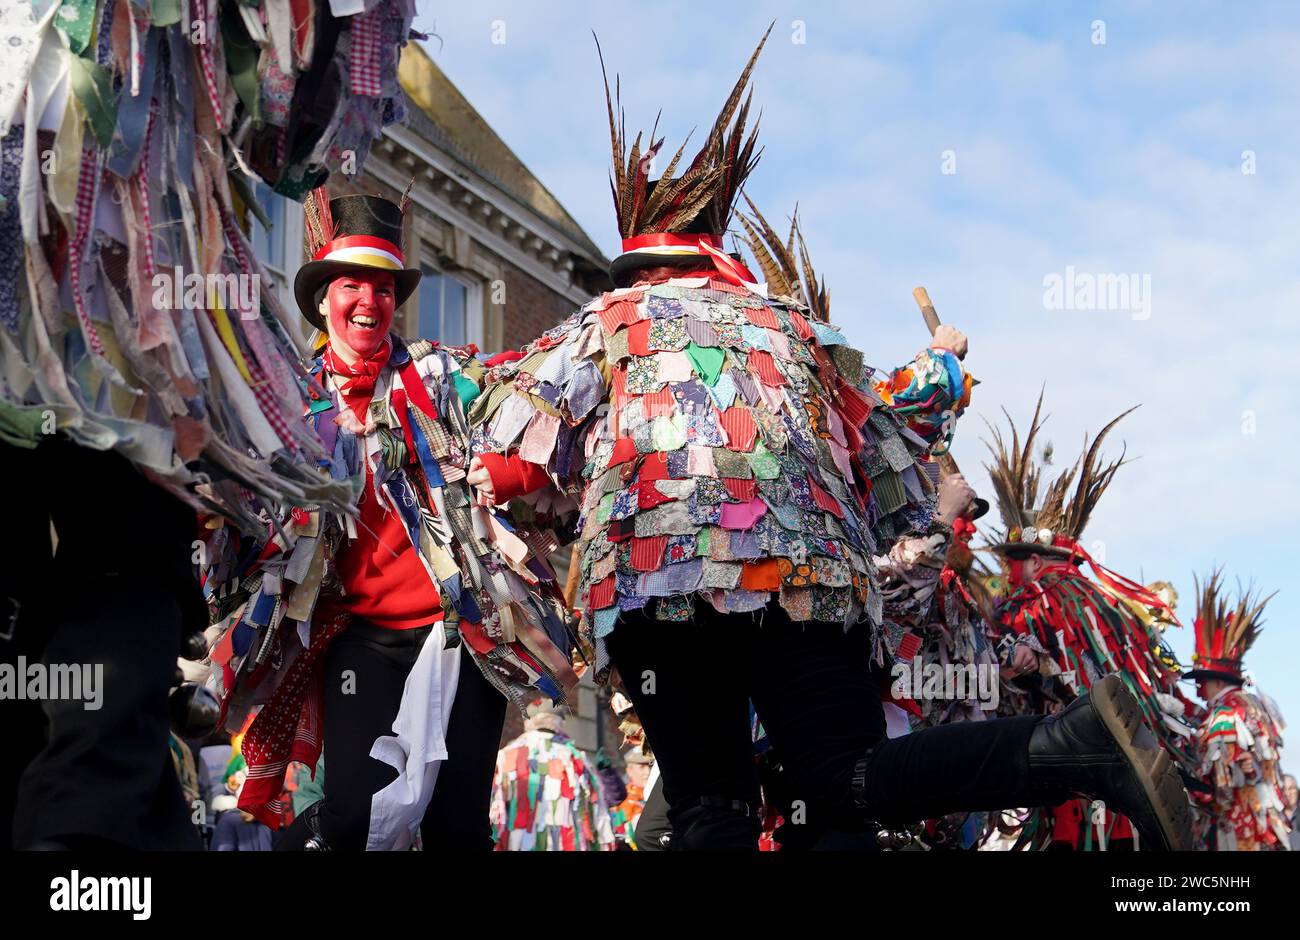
[[365, 672], [118, 593], [813, 689], [652, 824]]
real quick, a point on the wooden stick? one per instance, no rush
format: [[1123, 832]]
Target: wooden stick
[[922, 297], [927, 309], [571, 582]]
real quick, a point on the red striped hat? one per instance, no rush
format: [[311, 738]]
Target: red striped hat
[[350, 234]]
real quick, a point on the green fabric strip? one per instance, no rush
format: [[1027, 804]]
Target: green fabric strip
[[707, 361], [94, 89], [77, 20]]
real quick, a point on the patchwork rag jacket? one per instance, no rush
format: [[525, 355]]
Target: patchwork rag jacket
[[130, 318], [280, 600], [545, 797], [937, 630], [1247, 810], [721, 448]]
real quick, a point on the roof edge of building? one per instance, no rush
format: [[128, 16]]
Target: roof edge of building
[[471, 140]]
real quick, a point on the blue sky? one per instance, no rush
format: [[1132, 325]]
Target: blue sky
[[1123, 157]]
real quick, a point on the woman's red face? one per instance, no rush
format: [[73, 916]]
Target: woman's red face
[[359, 310]]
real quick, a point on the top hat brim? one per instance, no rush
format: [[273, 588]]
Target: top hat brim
[[1195, 675], [981, 507], [1024, 549], [622, 268], [315, 274]]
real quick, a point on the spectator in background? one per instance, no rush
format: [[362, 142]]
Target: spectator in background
[[626, 813], [1291, 792], [236, 830]]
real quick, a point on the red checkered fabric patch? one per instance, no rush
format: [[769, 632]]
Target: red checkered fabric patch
[[142, 183], [208, 13], [365, 53], [87, 193]]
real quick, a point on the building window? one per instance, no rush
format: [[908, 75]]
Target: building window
[[280, 246], [451, 308], [268, 244]]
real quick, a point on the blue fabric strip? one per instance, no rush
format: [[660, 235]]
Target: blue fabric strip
[[432, 473], [133, 115]]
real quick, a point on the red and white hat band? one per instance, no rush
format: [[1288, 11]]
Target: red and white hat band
[[670, 244], [364, 250]]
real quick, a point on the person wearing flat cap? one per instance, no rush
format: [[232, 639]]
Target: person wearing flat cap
[[393, 637]]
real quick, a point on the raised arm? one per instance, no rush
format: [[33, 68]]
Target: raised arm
[[932, 390]]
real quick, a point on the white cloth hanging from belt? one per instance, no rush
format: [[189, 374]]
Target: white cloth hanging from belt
[[417, 747]]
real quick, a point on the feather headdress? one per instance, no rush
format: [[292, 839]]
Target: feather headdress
[[787, 274], [1224, 632], [1017, 476], [705, 191]]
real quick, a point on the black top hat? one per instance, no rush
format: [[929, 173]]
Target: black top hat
[[359, 234], [1223, 675]]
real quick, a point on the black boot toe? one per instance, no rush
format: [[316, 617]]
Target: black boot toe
[[1100, 747]]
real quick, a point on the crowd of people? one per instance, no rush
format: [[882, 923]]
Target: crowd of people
[[354, 551]]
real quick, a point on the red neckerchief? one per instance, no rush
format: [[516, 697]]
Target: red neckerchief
[[361, 375]]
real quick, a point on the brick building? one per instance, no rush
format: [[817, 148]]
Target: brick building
[[502, 259]]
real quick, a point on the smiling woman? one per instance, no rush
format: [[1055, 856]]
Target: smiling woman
[[358, 309]]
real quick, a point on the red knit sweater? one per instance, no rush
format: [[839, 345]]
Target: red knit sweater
[[384, 580]]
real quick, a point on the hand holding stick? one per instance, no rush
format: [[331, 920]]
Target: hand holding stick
[[945, 336]]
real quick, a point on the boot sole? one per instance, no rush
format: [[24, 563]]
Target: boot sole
[[1169, 806]]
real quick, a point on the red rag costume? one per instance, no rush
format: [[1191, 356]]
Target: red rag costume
[[1239, 741]]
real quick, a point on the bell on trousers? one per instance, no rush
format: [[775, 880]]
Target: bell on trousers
[[194, 710]]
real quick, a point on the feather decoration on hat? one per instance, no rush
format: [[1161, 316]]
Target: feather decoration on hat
[[1222, 632], [318, 223], [1094, 478], [1014, 473], [707, 188], [1017, 476], [787, 274]]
